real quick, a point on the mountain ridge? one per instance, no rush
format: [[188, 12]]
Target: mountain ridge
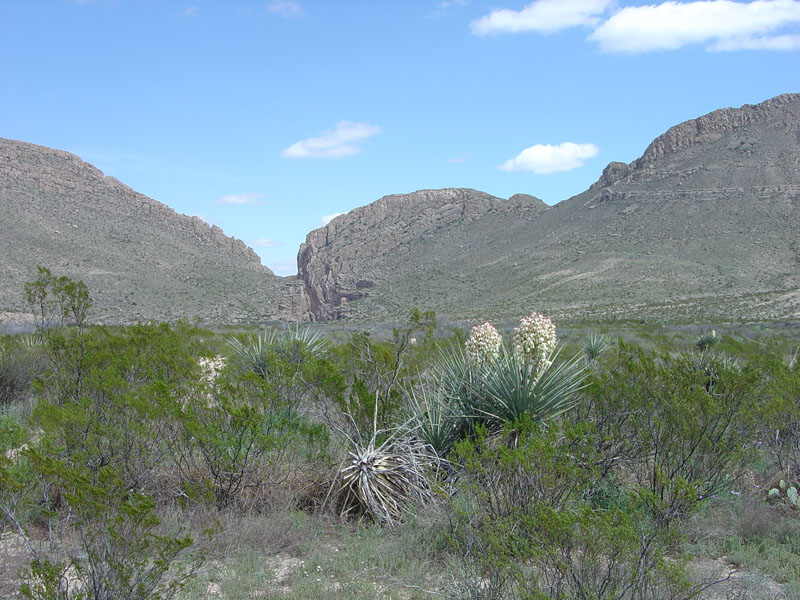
[[712, 203], [703, 224], [141, 258]]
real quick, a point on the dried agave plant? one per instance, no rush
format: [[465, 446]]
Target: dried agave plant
[[384, 481]]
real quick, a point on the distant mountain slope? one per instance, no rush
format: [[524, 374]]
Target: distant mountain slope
[[140, 259], [705, 223], [344, 260]]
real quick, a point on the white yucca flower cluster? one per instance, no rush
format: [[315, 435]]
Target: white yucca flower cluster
[[535, 338], [483, 344]]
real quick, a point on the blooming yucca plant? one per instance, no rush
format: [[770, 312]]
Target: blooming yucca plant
[[483, 344], [535, 339]]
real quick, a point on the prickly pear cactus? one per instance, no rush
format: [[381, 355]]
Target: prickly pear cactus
[[773, 495], [791, 495]]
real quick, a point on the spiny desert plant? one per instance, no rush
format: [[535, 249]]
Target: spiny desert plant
[[385, 481], [786, 492], [258, 351], [517, 386], [706, 340], [433, 418], [595, 345]]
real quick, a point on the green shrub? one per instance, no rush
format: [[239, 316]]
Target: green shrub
[[237, 435], [20, 364], [682, 428], [12, 434], [121, 552], [523, 524]]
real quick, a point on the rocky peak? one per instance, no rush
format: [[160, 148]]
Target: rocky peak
[[141, 259], [524, 201], [713, 126], [47, 173]]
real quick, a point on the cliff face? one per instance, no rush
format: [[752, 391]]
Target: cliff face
[[779, 112], [139, 257], [332, 259]]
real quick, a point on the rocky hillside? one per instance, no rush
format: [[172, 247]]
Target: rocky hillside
[[140, 258], [704, 223], [341, 262]]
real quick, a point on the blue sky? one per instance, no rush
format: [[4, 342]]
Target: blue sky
[[264, 117]]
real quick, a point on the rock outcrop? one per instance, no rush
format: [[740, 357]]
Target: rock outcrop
[[703, 224], [331, 260]]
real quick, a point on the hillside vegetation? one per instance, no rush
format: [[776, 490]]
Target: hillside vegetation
[[141, 258]]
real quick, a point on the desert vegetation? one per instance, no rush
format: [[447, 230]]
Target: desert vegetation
[[172, 461]]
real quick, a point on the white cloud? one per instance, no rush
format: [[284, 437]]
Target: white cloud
[[328, 218], [189, 11], [285, 8], [777, 42], [342, 141], [265, 243], [724, 24], [543, 16], [545, 158], [239, 198]]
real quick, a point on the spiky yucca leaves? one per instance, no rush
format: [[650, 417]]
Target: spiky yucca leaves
[[460, 382], [256, 351], [706, 340], [385, 481], [541, 389], [595, 345], [434, 418]]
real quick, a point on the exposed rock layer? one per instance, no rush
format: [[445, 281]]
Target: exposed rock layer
[[704, 223], [333, 258]]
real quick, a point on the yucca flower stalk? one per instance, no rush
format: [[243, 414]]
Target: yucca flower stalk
[[483, 344], [535, 339]]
